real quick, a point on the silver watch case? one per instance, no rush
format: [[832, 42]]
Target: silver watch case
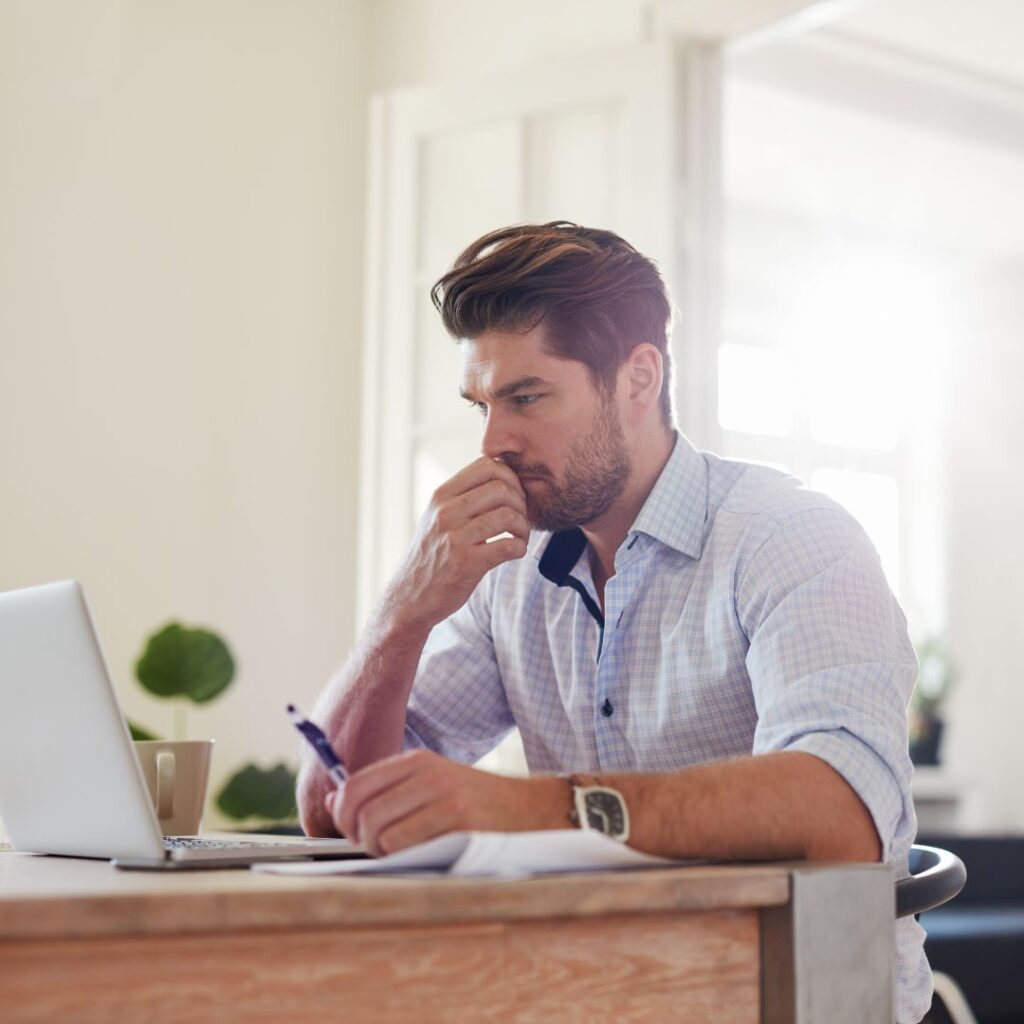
[[602, 809]]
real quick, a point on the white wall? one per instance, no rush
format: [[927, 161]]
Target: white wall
[[181, 243], [424, 42]]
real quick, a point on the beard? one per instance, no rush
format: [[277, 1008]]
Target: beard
[[594, 478]]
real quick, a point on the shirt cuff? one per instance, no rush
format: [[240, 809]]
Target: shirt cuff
[[865, 772]]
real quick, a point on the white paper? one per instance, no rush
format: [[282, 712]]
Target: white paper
[[489, 854]]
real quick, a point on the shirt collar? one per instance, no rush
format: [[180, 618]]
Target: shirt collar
[[677, 507], [674, 514]]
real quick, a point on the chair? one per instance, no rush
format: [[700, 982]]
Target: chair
[[936, 876]]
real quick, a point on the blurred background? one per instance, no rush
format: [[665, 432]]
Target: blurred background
[[224, 396]]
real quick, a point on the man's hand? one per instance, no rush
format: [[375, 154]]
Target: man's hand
[[450, 554], [312, 787], [417, 795]]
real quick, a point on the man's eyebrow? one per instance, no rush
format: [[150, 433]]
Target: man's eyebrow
[[513, 387]]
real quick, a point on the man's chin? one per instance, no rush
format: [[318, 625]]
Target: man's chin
[[542, 519], [537, 517]]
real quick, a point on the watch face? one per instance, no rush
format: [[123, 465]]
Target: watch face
[[606, 812]]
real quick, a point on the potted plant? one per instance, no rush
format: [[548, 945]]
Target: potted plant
[[183, 665], [264, 796], [193, 666], [936, 677]]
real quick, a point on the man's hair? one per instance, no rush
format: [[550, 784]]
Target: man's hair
[[596, 296]]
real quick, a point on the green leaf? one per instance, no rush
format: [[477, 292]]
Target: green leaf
[[140, 732], [254, 792], [180, 662]]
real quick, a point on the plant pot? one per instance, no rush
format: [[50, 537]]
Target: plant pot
[[924, 750]]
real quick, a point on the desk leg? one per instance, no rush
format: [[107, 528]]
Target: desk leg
[[829, 955]]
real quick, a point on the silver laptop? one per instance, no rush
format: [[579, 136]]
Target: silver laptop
[[70, 783]]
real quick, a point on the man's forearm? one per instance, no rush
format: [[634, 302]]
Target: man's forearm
[[770, 806], [363, 708]]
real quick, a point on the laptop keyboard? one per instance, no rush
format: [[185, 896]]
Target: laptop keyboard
[[194, 843]]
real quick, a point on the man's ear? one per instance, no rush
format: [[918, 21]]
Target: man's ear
[[643, 375]]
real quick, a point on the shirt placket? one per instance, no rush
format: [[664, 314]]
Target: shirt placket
[[611, 740]]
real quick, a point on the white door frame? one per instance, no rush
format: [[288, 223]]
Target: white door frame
[[676, 76]]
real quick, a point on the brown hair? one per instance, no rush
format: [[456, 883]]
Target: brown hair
[[595, 294]]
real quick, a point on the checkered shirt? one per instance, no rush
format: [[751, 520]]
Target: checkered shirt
[[747, 614]]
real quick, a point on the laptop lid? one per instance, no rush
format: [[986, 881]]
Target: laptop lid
[[69, 780]]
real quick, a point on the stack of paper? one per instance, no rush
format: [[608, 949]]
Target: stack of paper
[[509, 854]]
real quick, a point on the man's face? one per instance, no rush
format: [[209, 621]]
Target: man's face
[[546, 420]]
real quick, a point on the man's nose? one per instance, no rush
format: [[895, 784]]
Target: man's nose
[[499, 439]]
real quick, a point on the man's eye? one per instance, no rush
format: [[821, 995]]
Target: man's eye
[[525, 399], [479, 406]]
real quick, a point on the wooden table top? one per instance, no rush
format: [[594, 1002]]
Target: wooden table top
[[57, 897]]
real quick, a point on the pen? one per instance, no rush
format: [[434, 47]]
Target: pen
[[318, 741]]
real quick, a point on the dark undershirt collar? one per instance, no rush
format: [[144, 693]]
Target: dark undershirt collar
[[561, 554]]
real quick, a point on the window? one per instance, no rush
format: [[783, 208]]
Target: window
[[833, 340]]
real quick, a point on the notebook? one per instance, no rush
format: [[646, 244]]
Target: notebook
[[70, 783]]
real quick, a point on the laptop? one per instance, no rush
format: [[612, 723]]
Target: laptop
[[70, 783]]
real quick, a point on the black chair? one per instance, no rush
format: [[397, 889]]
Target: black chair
[[978, 938], [936, 876]]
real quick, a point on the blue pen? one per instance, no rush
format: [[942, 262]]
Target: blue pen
[[318, 741]]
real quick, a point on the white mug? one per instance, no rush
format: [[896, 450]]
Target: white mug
[[177, 772]]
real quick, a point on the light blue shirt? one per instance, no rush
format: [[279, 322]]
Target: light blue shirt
[[747, 614]]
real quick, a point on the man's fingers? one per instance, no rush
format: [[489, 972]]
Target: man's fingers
[[417, 827], [318, 824], [478, 472], [493, 523], [366, 784], [504, 550], [487, 496], [388, 808], [315, 819]]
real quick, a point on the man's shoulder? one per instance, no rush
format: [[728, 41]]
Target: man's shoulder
[[758, 501]]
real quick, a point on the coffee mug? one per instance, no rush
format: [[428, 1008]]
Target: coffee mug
[[176, 772]]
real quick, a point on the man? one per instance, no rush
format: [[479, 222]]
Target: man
[[709, 647]]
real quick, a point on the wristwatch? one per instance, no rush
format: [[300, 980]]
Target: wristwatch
[[598, 807]]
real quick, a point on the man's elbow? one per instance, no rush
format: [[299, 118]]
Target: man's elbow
[[850, 836], [856, 845], [844, 828]]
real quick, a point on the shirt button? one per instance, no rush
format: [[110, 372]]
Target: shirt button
[[606, 708]]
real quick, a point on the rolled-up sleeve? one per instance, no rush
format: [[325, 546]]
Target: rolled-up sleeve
[[458, 706], [830, 662]]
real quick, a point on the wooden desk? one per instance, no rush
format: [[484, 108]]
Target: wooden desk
[[82, 942]]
